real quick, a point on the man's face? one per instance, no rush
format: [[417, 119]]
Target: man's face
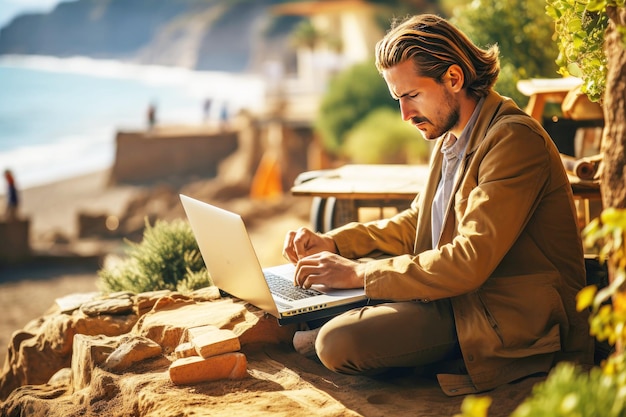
[[427, 104]]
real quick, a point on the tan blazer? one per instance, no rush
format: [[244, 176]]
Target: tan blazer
[[510, 257]]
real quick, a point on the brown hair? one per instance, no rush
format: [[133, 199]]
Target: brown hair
[[434, 44]]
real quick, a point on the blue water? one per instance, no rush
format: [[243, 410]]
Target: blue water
[[59, 117]]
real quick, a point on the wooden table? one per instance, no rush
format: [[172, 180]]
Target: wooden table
[[587, 192], [545, 90], [340, 193]]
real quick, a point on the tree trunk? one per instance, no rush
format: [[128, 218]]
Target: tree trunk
[[613, 175]]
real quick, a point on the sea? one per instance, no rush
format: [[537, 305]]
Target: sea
[[59, 116]]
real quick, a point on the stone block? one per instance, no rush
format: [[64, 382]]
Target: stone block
[[132, 350], [195, 369], [185, 350], [216, 342], [14, 241], [167, 323], [198, 331]]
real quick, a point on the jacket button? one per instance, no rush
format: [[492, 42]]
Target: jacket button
[[425, 300], [470, 358]]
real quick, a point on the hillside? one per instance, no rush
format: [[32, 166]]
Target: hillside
[[214, 35]]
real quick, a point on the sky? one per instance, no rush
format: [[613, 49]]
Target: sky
[[11, 8]]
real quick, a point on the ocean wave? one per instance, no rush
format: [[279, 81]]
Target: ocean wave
[[73, 155], [246, 89]]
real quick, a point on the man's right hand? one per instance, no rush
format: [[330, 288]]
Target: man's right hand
[[304, 242]]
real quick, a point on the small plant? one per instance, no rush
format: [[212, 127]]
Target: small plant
[[168, 258]]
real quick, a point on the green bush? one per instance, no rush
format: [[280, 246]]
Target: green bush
[[572, 391], [384, 138], [351, 95], [168, 258]]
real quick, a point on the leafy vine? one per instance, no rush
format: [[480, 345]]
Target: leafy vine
[[580, 27]]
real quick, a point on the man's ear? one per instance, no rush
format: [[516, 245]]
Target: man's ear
[[456, 78]]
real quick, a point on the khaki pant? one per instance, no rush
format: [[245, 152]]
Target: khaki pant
[[373, 339]]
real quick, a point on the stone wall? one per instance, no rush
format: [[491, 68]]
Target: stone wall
[[14, 240], [145, 156]]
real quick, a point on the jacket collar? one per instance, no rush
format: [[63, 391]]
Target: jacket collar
[[491, 107]]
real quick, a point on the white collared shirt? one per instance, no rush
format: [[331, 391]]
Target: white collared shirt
[[453, 151]]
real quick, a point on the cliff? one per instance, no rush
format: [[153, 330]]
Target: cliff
[[213, 35]]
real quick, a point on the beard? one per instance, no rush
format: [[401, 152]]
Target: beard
[[444, 121]]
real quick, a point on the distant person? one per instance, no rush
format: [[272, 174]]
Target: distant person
[[12, 197], [151, 116], [207, 109], [224, 116]]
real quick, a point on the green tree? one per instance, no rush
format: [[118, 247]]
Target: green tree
[[522, 31], [351, 95], [306, 35]]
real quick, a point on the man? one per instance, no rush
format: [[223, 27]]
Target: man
[[482, 271]]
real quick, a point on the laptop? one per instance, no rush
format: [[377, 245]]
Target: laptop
[[235, 269]]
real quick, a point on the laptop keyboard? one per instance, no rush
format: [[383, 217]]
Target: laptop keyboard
[[287, 290]]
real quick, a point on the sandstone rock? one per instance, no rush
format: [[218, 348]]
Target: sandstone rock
[[196, 369], [72, 302], [121, 294], [105, 324], [206, 294], [62, 377], [109, 305], [216, 342], [146, 300], [132, 350], [45, 345], [185, 350], [260, 327], [89, 352]]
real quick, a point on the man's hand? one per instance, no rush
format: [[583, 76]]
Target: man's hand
[[304, 242], [329, 269]]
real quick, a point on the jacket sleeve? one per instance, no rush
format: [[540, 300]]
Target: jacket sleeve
[[503, 184], [393, 236]]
